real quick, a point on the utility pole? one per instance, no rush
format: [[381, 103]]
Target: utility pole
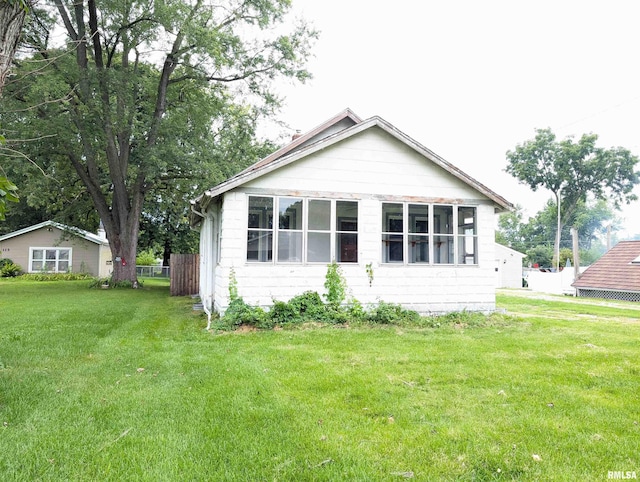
[[576, 254]]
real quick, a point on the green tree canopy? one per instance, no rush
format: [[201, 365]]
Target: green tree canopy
[[131, 105], [536, 236], [574, 170]]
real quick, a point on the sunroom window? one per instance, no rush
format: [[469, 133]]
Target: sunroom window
[[423, 234], [53, 260], [346, 232], [307, 230], [260, 229], [443, 234], [319, 231], [289, 229], [467, 236]]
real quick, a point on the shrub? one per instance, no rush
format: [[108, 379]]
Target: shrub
[[56, 276], [390, 313], [282, 313], [336, 286], [309, 306], [5, 261], [100, 282], [240, 313], [10, 270], [146, 258]]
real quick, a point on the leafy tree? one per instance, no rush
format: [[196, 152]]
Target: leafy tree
[[573, 170], [132, 101], [12, 17], [511, 230], [535, 237]]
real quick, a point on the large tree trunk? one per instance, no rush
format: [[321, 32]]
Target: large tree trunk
[[12, 16]]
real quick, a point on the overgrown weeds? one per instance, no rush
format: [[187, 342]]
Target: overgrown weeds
[[336, 309]]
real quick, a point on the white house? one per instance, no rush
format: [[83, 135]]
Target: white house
[[508, 267], [405, 225]]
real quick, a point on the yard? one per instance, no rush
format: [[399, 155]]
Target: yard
[[126, 385]]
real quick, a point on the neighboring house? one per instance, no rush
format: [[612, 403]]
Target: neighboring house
[[615, 276], [55, 248], [508, 267], [405, 225]]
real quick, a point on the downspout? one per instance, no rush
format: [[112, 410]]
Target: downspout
[[205, 305]]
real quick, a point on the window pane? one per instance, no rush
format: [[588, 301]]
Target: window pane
[[418, 249], [467, 220], [259, 246], [319, 247], [320, 215], [63, 254], [50, 266], [260, 212], [443, 219], [392, 218], [467, 250], [346, 216], [51, 254], [289, 246], [38, 254], [347, 247], [36, 266], [418, 218], [63, 266], [290, 213], [443, 249], [392, 248]]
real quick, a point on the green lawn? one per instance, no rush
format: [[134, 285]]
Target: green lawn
[[126, 385]]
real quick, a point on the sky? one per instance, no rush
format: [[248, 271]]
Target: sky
[[471, 80]]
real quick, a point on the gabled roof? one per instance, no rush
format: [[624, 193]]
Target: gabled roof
[[617, 270], [94, 238], [510, 250], [340, 127]]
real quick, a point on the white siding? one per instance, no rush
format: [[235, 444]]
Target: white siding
[[372, 162], [508, 267]]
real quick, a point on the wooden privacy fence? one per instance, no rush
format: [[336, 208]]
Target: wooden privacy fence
[[185, 274]]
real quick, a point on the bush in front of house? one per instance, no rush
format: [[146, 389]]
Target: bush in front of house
[[309, 307], [56, 276], [8, 269]]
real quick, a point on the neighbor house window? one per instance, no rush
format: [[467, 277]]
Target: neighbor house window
[[53, 260], [307, 230], [423, 234]]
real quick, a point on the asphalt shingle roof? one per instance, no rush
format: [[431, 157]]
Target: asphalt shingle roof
[[618, 269]]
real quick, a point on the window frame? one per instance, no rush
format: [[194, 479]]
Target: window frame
[[333, 233], [44, 259], [450, 234]]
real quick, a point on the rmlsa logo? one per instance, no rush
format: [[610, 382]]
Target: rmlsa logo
[[620, 475]]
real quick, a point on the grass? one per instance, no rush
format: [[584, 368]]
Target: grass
[[126, 385]]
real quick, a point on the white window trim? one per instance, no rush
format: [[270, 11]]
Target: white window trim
[[454, 236], [57, 248], [333, 231]]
